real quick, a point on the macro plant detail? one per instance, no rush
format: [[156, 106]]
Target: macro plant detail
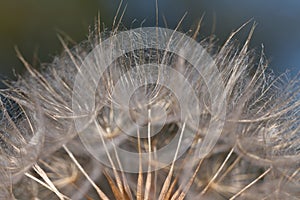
[[150, 113], [142, 99]]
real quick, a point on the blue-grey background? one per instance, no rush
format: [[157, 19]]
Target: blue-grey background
[[32, 25]]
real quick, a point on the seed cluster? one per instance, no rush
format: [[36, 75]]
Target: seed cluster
[[257, 155]]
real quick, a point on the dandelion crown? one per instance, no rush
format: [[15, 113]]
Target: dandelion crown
[[150, 113]]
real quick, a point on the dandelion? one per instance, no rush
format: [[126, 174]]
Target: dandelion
[[55, 145]]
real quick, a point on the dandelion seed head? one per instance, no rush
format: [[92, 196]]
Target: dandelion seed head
[[103, 138]]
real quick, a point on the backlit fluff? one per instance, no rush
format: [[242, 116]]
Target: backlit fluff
[[256, 157]]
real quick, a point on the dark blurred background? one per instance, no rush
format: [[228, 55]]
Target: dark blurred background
[[33, 25]]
